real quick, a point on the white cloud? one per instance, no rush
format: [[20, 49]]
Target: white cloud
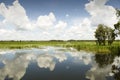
[[47, 21], [101, 13], [16, 15], [81, 29], [48, 27], [61, 25]]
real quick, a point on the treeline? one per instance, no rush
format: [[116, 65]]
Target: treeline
[[47, 41], [51, 40]]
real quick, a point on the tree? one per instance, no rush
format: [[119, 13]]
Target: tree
[[117, 25], [100, 34], [117, 12], [104, 33], [110, 35], [117, 28]]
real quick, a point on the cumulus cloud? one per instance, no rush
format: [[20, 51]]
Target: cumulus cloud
[[46, 21], [101, 13], [61, 25], [16, 15], [78, 30], [48, 27], [7, 34]]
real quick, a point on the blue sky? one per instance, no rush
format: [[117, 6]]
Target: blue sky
[[34, 8], [69, 19], [75, 8]]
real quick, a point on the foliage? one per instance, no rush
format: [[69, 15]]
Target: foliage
[[117, 28], [104, 33], [100, 34], [110, 35], [117, 25], [117, 12]]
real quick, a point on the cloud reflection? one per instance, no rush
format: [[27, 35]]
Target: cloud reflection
[[97, 73], [46, 61], [60, 56], [102, 69], [16, 66], [82, 56]]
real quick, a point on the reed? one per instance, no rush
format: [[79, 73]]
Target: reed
[[79, 45]]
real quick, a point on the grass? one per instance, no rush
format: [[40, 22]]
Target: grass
[[26, 44], [91, 46], [79, 45]]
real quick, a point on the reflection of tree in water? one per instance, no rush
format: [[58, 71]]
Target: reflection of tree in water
[[7, 78], [116, 72], [104, 59], [104, 65], [115, 50], [117, 76], [116, 68]]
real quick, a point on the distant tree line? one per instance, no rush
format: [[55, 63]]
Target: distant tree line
[[104, 32]]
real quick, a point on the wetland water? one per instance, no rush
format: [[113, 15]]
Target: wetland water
[[55, 63]]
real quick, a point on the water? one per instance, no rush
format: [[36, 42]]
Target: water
[[55, 63]]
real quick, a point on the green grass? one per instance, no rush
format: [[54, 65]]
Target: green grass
[[27, 44], [79, 45]]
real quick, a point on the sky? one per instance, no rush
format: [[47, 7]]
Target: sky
[[55, 19]]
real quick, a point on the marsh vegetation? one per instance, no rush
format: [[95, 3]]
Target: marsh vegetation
[[79, 45]]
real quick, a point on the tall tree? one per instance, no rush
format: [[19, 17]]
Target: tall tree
[[104, 33], [117, 12], [110, 35], [117, 25], [117, 28], [100, 34]]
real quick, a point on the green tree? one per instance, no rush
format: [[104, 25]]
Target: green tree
[[117, 25], [104, 33], [100, 34], [117, 28], [117, 12], [110, 35]]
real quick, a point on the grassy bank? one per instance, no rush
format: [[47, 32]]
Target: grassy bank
[[79, 45]]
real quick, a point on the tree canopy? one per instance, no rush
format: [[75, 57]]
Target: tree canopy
[[100, 34], [104, 33], [117, 25]]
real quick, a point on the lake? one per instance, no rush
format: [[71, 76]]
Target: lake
[[57, 63]]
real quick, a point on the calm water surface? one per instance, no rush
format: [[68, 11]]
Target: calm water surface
[[55, 63]]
